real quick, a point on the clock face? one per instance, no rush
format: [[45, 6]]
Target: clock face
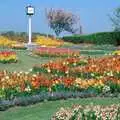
[[30, 10]]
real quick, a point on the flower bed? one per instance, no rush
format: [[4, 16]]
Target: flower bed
[[88, 112], [48, 42], [59, 76], [8, 57], [101, 75], [55, 52], [60, 66], [117, 52], [19, 46], [53, 81], [5, 42], [103, 65], [76, 76]]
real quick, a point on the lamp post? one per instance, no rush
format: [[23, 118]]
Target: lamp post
[[30, 11]]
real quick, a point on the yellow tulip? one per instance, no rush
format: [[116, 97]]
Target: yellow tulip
[[47, 41]]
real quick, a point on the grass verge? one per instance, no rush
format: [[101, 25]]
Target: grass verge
[[44, 110]]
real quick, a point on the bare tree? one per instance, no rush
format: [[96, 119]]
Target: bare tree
[[60, 21], [115, 18]]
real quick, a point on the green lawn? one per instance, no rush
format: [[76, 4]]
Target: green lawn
[[25, 62], [44, 110], [92, 50]]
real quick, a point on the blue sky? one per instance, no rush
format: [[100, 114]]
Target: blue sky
[[93, 14]]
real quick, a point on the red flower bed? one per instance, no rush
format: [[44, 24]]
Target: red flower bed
[[101, 65], [62, 65], [8, 57], [7, 53], [44, 51]]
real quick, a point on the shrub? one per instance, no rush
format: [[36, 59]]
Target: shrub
[[96, 38]]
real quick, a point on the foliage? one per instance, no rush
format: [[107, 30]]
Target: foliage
[[96, 38], [60, 21]]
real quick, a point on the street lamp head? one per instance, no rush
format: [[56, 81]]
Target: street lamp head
[[30, 10]]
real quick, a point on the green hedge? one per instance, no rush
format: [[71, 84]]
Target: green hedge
[[96, 38]]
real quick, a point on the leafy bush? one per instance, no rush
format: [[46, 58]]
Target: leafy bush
[[114, 87], [96, 38]]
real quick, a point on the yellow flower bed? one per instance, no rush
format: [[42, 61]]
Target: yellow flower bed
[[117, 52], [19, 46], [5, 42], [48, 42]]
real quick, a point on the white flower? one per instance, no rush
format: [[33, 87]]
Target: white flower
[[21, 72], [2, 79], [34, 75], [110, 73], [3, 87], [28, 89], [7, 77], [56, 75], [18, 74], [67, 63], [15, 72], [106, 89], [30, 70], [48, 70], [99, 77], [64, 63], [74, 64], [51, 61], [92, 74], [67, 72], [26, 73], [85, 61]]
